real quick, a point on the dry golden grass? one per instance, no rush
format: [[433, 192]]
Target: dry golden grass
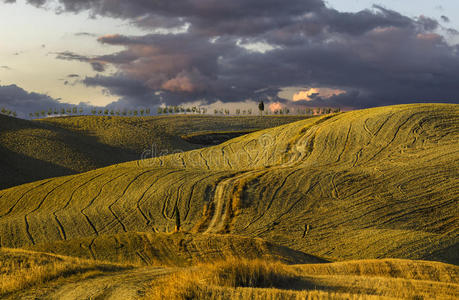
[[20, 269], [243, 279], [178, 249]]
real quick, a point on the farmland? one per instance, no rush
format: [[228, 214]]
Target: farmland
[[46, 148], [355, 188]]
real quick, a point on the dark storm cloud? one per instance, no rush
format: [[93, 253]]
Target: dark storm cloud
[[445, 19], [19, 100], [377, 56], [73, 75]]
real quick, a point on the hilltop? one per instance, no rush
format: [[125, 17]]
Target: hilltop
[[46, 148], [365, 184]]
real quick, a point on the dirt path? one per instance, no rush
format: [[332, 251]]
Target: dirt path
[[124, 285]]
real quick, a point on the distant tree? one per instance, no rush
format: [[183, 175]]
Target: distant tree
[[147, 111], [159, 110], [74, 110], [81, 110], [182, 109], [188, 110], [165, 110], [50, 112], [31, 115], [215, 111], [37, 114], [135, 112], [337, 110], [118, 113], [261, 107], [249, 111], [14, 114], [244, 112], [170, 109], [69, 111], [238, 111], [3, 110], [287, 111], [56, 112]]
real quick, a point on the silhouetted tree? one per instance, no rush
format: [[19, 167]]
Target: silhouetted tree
[[261, 107]]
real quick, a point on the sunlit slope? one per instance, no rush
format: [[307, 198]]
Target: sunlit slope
[[34, 150], [373, 183]]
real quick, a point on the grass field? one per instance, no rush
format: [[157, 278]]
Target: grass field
[[365, 279], [46, 148], [360, 188]]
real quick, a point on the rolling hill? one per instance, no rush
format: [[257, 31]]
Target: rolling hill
[[34, 150], [375, 183]]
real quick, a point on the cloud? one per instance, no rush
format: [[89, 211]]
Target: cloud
[[88, 34], [208, 52], [445, 19], [73, 76], [98, 66], [314, 93], [5, 68]]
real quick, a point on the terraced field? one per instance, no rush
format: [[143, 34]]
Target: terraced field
[[374, 183], [40, 149]]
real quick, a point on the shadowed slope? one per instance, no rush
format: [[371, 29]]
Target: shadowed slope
[[34, 150], [372, 183]]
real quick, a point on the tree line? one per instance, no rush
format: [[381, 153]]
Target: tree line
[[171, 110], [8, 112]]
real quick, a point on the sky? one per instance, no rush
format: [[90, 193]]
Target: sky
[[132, 54]]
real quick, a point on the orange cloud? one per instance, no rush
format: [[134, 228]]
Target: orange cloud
[[312, 93], [275, 106]]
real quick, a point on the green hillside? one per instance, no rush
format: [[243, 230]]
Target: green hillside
[[34, 150], [375, 183]]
